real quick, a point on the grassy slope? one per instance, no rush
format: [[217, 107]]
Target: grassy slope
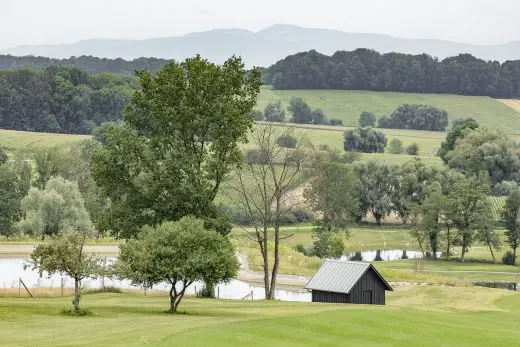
[[347, 105], [427, 314], [24, 140]]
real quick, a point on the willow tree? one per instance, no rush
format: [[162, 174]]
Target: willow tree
[[179, 140]]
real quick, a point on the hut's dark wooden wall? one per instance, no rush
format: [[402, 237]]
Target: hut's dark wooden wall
[[370, 289], [369, 281]]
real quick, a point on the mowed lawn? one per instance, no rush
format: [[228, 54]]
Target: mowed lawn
[[347, 105], [413, 316]]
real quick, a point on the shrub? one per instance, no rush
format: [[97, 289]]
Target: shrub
[[413, 149], [366, 140], [287, 141], [256, 156], [288, 218], [302, 215], [274, 112], [335, 122], [367, 119], [508, 258], [257, 115], [396, 146], [504, 188], [324, 147], [307, 251]]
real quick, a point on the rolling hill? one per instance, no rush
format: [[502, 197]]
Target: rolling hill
[[348, 105], [264, 47]]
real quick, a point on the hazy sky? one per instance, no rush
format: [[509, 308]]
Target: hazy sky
[[66, 21]]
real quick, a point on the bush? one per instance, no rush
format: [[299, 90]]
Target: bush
[[306, 251], [367, 119], [287, 141], [366, 140], [335, 122], [257, 115], [508, 258], [256, 156], [396, 146], [302, 215], [417, 117], [288, 218], [413, 149], [504, 188], [274, 112], [323, 147]]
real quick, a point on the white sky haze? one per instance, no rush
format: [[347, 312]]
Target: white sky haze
[[28, 22]]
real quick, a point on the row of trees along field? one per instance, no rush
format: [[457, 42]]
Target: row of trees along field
[[153, 180], [365, 69]]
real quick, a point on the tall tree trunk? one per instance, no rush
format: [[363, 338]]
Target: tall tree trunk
[[76, 294], [463, 248], [448, 241], [492, 253], [263, 249], [378, 217], [276, 263], [176, 297], [514, 252]]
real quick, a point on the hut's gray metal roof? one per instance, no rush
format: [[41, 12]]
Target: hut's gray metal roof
[[340, 276]]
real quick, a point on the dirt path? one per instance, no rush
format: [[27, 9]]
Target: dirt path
[[512, 103]]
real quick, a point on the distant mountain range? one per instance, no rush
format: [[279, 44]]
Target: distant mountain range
[[265, 47]]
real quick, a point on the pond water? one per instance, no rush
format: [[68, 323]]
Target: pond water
[[383, 255], [11, 269]]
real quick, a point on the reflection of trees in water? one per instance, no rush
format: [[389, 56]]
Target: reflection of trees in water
[[378, 256], [404, 256], [357, 257]]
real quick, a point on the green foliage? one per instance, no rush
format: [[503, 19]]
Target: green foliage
[[367, 119], [274, 112], [15, 178], [460, 128], [178, 253], [509, 258], [366, 140], [301, 113], [365, 69], [65, 254], [287, 141], [395, 146], [412, 149], [333, 193], [488, 150], [57, 209], [511, 221], [376, 188], [470, 210], [180, 139], [418, 117], [61, 99], [327, 244], [257, 115]]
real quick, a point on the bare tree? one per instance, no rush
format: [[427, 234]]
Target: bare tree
[[263, 189]]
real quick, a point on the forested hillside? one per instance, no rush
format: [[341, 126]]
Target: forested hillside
[[365, 69], [61, 100]]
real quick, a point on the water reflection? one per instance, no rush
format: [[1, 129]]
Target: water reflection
[[383, 255], [11, 269]]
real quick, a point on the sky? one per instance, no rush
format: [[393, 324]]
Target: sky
[[28, 22]]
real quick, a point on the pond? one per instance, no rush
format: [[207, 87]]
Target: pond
[[11, 270], [383, 255]]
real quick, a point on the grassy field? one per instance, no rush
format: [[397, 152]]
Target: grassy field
[[348, 105], [23, 140], [425, 316]]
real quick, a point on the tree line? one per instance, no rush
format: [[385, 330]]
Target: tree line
[[87, 63], [61, 99], [365, 69]]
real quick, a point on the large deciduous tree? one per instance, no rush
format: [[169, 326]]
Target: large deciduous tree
[[274, 112], [66, 255], [511, 221], [333, 194], [469, 202], [180, 139], [178, 253], [366, 140]]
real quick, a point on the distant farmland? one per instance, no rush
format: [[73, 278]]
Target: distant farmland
[[347, 105]]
